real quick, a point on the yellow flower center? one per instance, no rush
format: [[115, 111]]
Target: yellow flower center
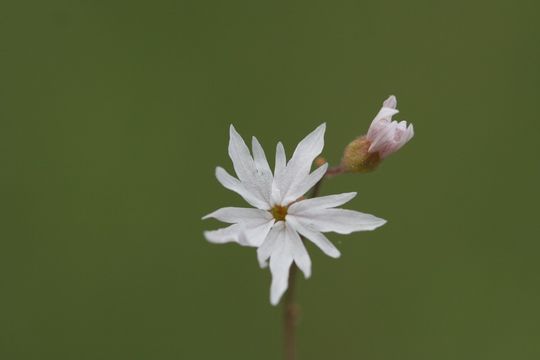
[[279, 212]]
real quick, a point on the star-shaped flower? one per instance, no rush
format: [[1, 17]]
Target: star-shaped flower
[[281, 215]]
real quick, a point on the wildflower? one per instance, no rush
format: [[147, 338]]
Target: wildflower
[[280, 216]]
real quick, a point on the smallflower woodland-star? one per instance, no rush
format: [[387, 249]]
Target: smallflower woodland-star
[[280, 216]]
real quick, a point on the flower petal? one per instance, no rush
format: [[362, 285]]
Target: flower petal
[[279, 171], [259, 157], [280, 263], [300, 164], [383, 137], [380, 122], [281, 160], [263, 171], [284, 246], [240, 156], [240, 215], [230, 233], [233, 184], [323, 202], [301, 187], [391, 102], [298, 250], [255, 235], [245, 167], [410, 132], [387, 136], [269, 244], [341, 221], [314, 236]]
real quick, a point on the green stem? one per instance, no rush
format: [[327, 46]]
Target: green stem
[[290, 317]]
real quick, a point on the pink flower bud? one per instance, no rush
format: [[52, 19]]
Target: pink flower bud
[[384, 137], [387, 136]]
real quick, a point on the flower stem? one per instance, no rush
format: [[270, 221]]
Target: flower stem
[[290, 317], [291, 310], [333, 171]]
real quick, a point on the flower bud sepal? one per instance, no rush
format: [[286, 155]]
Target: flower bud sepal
[[358, 159]]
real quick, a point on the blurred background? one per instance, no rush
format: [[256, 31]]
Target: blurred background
[[114, 115]]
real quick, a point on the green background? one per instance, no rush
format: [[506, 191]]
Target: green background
[[113, 116]]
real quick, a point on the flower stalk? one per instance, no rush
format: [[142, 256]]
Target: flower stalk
[[291, 311]]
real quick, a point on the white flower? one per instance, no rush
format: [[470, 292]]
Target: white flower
[[280, 214], [387, 136]]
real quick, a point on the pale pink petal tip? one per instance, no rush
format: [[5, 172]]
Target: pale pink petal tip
[[391, 102]]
